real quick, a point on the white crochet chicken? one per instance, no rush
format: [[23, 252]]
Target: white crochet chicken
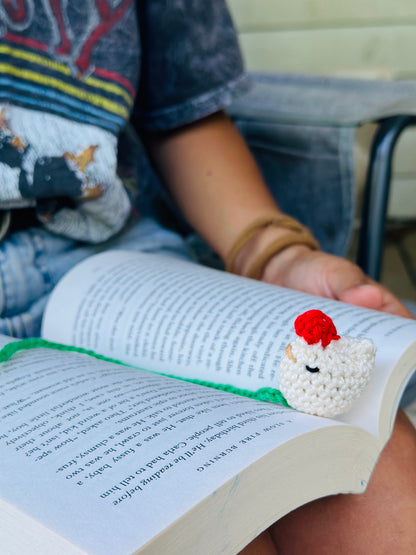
[[322, 373]]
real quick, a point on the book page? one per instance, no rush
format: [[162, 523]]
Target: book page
[[32, 536], [168, 315], [108, 456]]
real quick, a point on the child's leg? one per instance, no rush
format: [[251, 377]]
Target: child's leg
[[382, 520], [262, 545], [32, 261]]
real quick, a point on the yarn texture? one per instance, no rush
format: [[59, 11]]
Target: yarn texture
[[322, 373], [315, 326]]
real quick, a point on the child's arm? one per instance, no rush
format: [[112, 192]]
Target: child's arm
[[215, 182], [212, 175]]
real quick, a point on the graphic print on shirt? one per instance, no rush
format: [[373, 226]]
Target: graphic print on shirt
[[63, 99], [64, 43]]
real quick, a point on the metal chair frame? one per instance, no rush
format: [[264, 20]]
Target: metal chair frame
[[376, 193]]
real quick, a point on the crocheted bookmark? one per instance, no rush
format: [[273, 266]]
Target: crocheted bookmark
[[264, 394]]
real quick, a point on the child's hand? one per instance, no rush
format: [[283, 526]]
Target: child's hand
[[318, 273]]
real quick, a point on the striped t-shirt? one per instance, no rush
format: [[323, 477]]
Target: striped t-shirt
[[72, 73]]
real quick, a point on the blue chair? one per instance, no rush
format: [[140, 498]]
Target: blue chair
[[301, 129]]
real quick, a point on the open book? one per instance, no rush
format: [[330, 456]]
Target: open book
[[102, 458]]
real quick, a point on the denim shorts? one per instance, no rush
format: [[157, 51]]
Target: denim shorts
[[32, 261]]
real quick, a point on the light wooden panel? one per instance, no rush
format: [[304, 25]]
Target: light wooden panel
[[283, 14], [402, 202], [375, 50], [405, 159]]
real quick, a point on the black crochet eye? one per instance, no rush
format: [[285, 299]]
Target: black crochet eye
[[313, 370]]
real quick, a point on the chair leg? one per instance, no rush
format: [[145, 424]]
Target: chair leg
[[376, 194]]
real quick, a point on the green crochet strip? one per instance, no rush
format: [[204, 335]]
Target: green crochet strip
[[263, 394]]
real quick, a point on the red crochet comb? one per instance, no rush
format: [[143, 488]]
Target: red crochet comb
[[315, 326]]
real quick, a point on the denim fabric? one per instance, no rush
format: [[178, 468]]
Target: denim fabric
[[308, 165], [327, 101], [32, 261], [309, 171]]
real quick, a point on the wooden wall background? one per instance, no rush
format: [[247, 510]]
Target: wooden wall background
[[359, 38]]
